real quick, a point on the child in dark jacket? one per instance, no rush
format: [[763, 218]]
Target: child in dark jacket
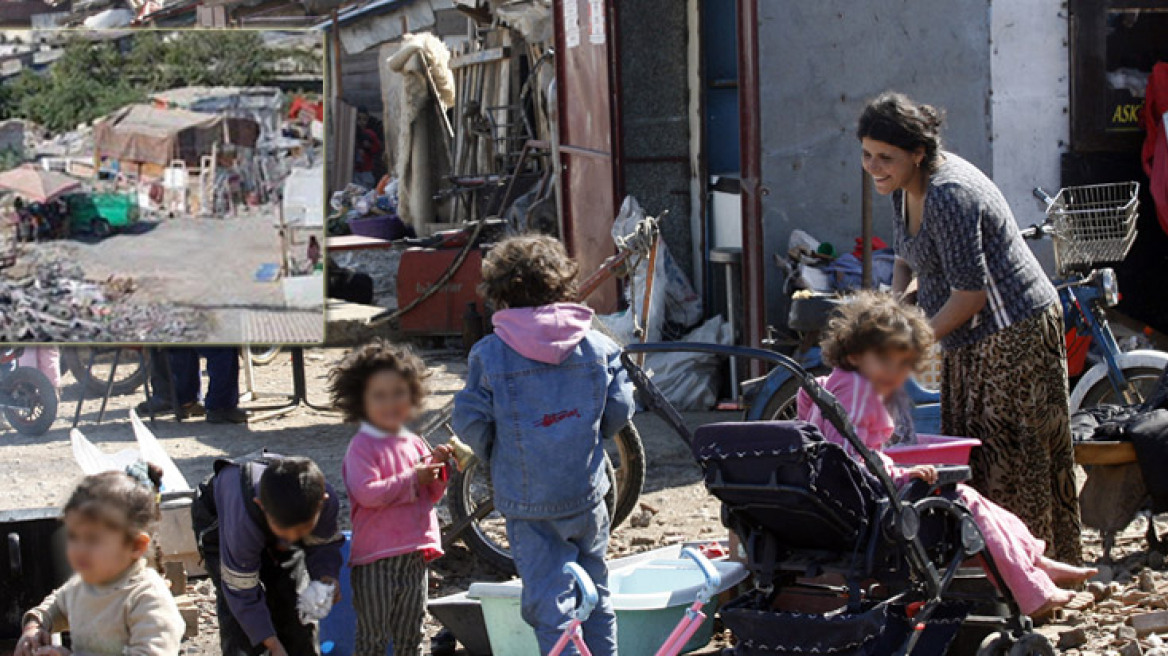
[[542, 394], [264, 525]]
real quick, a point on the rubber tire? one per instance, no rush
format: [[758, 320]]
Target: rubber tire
[[1101, 389], [489, 552], [40, 385], [995, 644], [1032, 644], [788, 392], [631, 475], [101, 228], [76, 358], [262, 355]]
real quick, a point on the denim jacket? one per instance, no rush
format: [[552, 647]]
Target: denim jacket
[[540, 426]]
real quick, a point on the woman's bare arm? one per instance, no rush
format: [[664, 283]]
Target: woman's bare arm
[[902, 277], [960, 308]]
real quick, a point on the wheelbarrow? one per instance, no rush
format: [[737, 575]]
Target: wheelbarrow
[[1115, 492]]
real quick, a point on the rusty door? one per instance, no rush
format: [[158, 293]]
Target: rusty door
[[589, 147]]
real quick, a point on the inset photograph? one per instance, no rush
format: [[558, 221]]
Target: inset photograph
[[162, 187]]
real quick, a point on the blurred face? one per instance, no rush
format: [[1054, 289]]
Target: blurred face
[[887, 370], [389, 405], [100, 553], [292, 534], [891, 168]]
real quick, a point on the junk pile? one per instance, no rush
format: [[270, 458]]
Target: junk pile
[[816, 266], [54, 303], [366, 212]]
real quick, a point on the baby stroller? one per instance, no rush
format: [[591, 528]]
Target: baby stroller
[[803, 508]]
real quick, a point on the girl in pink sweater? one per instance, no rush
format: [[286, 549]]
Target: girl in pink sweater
[[873, 345], [393, 480]]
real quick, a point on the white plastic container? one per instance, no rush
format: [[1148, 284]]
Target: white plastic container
[[650, 593]]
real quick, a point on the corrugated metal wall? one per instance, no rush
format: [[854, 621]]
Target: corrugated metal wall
[[818, 63]]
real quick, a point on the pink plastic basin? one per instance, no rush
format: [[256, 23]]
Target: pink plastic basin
[[934, 450]]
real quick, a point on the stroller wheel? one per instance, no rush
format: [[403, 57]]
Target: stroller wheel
[[995, 644], [1032, 644]]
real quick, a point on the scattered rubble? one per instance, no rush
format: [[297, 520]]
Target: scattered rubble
[[53, 302]]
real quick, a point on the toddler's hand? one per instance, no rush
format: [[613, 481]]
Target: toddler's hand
[[33, 638], [428, 472], [926, 473], [442, 453]]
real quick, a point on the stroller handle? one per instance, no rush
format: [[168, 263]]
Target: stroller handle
[[588, 596], [828, 404], [708, 570]]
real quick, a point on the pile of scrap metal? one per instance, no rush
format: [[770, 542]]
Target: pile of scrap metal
[[474, 125], [54, 303]]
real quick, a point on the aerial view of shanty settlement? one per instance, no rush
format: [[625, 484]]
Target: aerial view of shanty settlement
[[160, 186]]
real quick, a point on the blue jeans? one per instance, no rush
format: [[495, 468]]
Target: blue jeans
[[540, 549], [222, 369]]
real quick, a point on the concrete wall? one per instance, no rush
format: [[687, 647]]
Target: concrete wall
[[819, 62], [655, 102], [1030, 64]]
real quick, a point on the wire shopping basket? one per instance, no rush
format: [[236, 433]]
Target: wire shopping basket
[[1093, 223]]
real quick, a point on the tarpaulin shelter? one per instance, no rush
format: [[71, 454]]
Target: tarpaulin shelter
[[145, 135]]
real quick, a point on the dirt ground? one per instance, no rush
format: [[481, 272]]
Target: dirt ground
[[202, 264], [40, 472]]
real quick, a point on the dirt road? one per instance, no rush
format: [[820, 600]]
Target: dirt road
[[201, 264], [41, 471]]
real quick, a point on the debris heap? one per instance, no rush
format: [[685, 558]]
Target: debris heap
[[54, 303]]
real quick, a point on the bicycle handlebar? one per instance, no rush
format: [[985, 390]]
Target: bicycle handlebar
[[1042, 195]]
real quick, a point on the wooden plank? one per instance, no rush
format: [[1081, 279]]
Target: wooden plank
[[1104, 453], [481, 57], [354, 243]]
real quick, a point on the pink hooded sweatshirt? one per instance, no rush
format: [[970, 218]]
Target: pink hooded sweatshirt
[[392, 514], [548, 333]]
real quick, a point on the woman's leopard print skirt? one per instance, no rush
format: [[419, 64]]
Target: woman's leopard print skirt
[[1010, 391]]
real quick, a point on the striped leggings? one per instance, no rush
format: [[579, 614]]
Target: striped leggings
[[389, 596]]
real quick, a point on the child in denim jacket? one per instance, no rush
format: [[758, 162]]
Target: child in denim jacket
[[541, 394]]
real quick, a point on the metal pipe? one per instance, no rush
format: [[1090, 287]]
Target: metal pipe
[[866, 230], [753, 255]]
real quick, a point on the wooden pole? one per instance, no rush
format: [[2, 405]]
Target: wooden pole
[[866, 230], [337, 88]]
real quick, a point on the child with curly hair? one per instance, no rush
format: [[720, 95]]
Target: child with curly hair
[[113, 604], [542, 394], [394, 480], [873, 344]]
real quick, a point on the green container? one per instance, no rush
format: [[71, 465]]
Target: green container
[[649, 598]]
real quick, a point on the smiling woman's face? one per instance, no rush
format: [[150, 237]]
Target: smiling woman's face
[[891, 167]]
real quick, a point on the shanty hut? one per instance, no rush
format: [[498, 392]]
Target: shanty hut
[[143, 140]]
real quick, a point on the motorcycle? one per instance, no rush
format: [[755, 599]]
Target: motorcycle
[[1088, 224], [26, 395]]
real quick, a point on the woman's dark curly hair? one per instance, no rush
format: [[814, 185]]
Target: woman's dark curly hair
[[875, 321], [896, 119], [528, 271], [347, 381]]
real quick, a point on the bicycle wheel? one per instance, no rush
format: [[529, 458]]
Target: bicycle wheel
[[133, 368], [626, 452], [471, 492]]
